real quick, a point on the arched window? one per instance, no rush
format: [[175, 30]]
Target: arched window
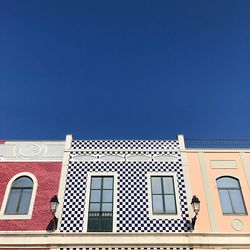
[[19, 196], [231, 198]]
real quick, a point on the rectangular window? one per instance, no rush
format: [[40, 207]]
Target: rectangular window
[[163, 195], [100, 214]]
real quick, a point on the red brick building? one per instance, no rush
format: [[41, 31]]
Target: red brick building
[[30, 173]]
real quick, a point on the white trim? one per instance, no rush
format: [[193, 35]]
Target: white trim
[[63, 179], [246, 167], [6, 196], [187, 181], [221, 150], [181, 140], [177, 199], [89, 175], [135, 240]]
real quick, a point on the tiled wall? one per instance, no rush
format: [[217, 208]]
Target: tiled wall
[[132, 193]]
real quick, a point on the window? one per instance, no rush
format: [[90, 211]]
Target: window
[[163, 195], [231, 198], [19, 196], [100, 214]]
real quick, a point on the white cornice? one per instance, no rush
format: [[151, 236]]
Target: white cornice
[[27, 151], [195, 240], [219, 150]]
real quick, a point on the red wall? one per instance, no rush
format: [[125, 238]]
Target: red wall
[[48, 177], [24, 248]]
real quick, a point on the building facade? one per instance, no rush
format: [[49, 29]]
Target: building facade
[[131, 195], [219, 174], [29, 177]]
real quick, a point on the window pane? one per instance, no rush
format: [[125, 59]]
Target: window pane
[[107, 195], [157, 204], [96, 183], [107, 207], [13, 201], [108, 182], [168, 185], [225, 202], [94, 207], [23, 182], [227, 182], [156, 185], [170, 204], [95, 196], [237, 202], [25, 201]]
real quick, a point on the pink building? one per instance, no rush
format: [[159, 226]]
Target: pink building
[[218, 172]]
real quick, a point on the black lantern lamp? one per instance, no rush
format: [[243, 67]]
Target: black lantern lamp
[[53, 207], [196, 208]]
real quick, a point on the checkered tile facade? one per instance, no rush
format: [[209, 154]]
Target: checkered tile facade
[[132, 193], [125, 145], [127, 248]]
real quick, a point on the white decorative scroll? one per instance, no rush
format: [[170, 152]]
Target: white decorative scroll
[[84, 158], [165, 158], [140, 158], [32, 151], [111, 158]]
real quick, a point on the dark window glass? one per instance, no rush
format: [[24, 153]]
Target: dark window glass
[[163, 195], [100, 216], [231, 198], [19, 196]]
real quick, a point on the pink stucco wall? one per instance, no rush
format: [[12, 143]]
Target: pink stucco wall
[[223, 222]]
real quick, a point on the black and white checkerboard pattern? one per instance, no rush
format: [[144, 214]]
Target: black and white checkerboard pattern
[[132, 196], [162, 145], [127, 248]]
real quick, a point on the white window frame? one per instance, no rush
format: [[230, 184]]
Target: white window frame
[[6, 196], [177, 198], [88, 185]]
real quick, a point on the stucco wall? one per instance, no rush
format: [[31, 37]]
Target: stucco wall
[[204, 169]]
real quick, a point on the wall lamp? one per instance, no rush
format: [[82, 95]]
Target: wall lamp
[[53, 207], [196, 208]]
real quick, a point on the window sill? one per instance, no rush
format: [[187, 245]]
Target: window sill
[[15, 217], [165, 216]]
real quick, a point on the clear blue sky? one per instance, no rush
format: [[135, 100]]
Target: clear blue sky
[[124, 69]]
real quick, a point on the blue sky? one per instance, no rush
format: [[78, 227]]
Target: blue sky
[[124, 69]]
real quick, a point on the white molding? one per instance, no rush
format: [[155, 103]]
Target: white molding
[[6, 196], [223, 164], [221, 150], [177, 199], [208, 193], [63, 240], [92, 174], [246, 167], [63, 179], [187, 181], [181, 141], [31, 151]]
